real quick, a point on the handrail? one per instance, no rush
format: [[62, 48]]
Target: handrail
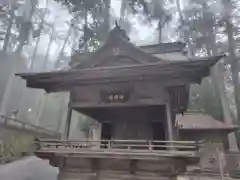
[[15, 123], [121, 144], [120, 140]]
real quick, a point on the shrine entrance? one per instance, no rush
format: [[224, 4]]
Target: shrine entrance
[[107, 131], [137, 122], [159, 134]]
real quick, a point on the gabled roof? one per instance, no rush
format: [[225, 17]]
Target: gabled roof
[[160, 48], [201, 121], [118, 44]]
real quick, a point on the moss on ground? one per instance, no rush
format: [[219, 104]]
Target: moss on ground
[[13, 144]]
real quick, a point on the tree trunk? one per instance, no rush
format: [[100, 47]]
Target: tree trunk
[[183, 34], [7, 93], [24, 94], [36, 48], [86, 25], [44, 65], [234, 67], [27, 19], [122, 12], [159, 32], [45, 96], [33, 58], [218, 79], [107, 17], [179, 10], [232, 55], [41, 102], [8, 32], [57, 63], [62, 49]]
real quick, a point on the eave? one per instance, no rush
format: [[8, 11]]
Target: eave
[[55, 81]]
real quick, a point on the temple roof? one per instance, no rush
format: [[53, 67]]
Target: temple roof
[[119, 60], [194, 71]]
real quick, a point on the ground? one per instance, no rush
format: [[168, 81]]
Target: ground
[[29, 168]]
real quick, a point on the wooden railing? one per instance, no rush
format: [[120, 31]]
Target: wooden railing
[[12, 123], [121, 145]]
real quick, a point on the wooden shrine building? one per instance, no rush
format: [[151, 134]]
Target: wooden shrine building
[[135, 95]]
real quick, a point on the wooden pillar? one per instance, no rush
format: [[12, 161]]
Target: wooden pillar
[[68, 123], [96, 136], [169, 122]]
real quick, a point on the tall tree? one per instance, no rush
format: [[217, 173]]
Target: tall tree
[[233, 60], [93, 31], [9, 28], [24, 24], [159, 13], [19, 21], [202, 30], [22, 105]]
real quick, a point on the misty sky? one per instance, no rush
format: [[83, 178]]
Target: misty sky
[[59, 15]]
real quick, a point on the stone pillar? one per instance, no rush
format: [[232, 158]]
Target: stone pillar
[[68, 123]]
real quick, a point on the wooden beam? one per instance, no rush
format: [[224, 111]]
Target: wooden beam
[[117, 154]]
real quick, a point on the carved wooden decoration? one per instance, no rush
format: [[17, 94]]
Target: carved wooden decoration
[[114, 97], [116, 51]]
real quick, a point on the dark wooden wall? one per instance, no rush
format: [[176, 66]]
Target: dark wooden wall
[[140, 93], [132, 118], [135, 122]]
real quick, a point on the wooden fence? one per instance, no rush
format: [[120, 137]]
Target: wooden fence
[[121, 147]]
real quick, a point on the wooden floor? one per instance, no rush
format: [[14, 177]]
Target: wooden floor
[[10, 123]]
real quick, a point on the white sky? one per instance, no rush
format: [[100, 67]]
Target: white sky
[[144, 33]]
